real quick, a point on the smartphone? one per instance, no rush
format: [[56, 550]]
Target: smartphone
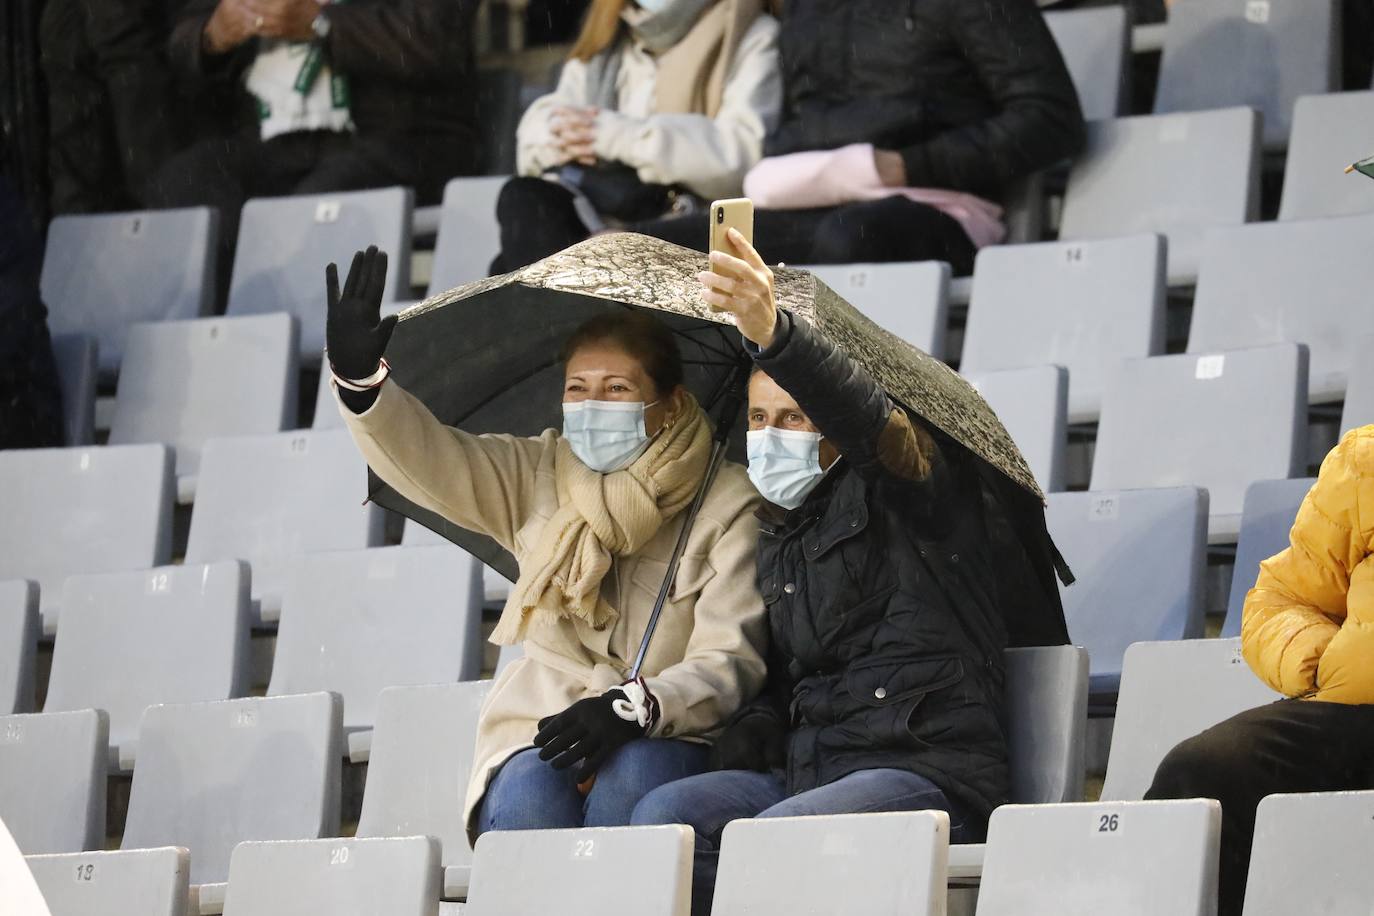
[[737, 213]]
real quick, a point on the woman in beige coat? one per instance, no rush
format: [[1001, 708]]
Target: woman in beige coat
[[592, 515]]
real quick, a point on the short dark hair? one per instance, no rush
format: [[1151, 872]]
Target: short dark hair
[[640, 335]]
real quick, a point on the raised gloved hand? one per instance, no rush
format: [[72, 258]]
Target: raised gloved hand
[[589, 731], [355, 333], [755, 741]]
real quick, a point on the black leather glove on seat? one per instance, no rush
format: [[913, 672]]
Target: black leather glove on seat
[[589, 731]]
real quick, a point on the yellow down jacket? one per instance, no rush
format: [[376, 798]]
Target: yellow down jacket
[[1309, 621]]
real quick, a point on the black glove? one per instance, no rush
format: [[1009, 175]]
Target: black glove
[[754, 741], [354, 331], [588, 730]]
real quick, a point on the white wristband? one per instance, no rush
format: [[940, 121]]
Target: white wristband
[[366, 384]]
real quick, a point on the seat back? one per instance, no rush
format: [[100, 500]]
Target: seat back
[[1329, 132], [19, 626], [1033, 405], [176, 634], [211, 775], [285, 242], [910, 300], [1046, 700], [103, 272], [76, 357], [1171, 691], [469, 235], [1271, 506], [1359, 392], [1216, 420], [1081, 305], [1095, 44], [1311, 855], [1139, 557], [495, 587], [1124, 858], [52, 780], [583, 872], [1176, 175], [895, 862], [148, 882]]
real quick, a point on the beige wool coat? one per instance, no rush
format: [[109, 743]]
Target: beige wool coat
[[707, 655]]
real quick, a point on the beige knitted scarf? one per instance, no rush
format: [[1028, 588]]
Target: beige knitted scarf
[[600, 516]]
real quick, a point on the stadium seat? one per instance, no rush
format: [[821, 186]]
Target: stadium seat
[[184, 382], [19, 625], [83, 510], [418, 769], [1033, 405], [1260, 53], [1298, 282], [1095, 44], [1359, 395], [1311, 855], [910, 300], [177, 634], [469, 235], [342, 877], [52, 780], [583, 872], [76, 356], [103, 272], [326, 408], [285, 243], [1140, 557], [1171, 691], [495, 587], [1329, 133], [211, 775], [1220, 421], [357, 621], [135, 882], [895, 862], [1172, 174], [1080, 305], [1265, 522], [1123, 858], [268, 499]]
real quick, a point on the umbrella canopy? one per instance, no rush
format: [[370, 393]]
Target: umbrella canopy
[[484, 357]]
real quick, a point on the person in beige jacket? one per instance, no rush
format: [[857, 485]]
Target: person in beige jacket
[[592, 515]]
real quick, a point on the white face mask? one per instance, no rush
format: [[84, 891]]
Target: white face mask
[[653, 6], [606, 435], [784, 464]]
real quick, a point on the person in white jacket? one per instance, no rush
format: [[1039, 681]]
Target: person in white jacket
[[662, 104]]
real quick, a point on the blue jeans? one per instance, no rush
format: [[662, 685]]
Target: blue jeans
[[708, 802], [529, 794]]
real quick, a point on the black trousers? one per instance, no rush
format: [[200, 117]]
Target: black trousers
[[1288, 746], [537, 219]]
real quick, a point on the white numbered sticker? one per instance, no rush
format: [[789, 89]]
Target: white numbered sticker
[[1107, 823], [382, 569], [246, 718], [327, 211], [1257, 11], [1210, 367], [1173, 130], [133, 228], [338, 855], [1238, 656], [159, 583], [584, 849], [1075, 255], [1103, 508], [85, 873], [858, 279], [299, 445], [85, 461], [11, 733]]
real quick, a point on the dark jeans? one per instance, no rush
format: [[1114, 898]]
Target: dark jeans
[[891, 229], [1288, 746], [537, 219]]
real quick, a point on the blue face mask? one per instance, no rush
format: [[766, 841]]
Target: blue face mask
[[606, 435], [784, 464]]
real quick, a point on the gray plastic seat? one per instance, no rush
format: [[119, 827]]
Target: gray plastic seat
[[52, 780], [1359, 393], [211, 775], [1140, 557], [19, 626], [469, 236], [358, 621], [909, 299], [1271, 506], [269, 499], [342, 877], [1123, 858], [285, 243], [176, 634], [326, 408], [418, 769], [1329, 133], [76, 356], [895, 862], [1095, 44], [1260, 53], [1171, 691], [583, 872], [145, 882], [83, 510], [1033, 405], [184, 382], [103, 272], [1176, 175], [1080, 305], [1311, 855], [1300, 282], [1217, 420], [495, 587]]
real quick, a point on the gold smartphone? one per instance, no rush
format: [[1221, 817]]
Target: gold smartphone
[[737, 213]]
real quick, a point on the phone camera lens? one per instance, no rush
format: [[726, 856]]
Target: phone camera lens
[[720, 215]]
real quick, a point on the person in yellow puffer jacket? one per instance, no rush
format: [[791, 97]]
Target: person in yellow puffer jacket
[[1308, 632]]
